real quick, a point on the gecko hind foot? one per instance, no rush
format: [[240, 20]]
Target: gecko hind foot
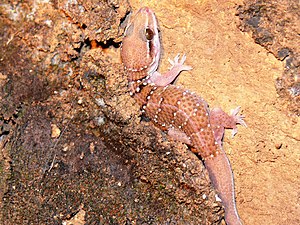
[[238, 118]]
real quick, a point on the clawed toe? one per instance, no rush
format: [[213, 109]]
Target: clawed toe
[[239, 118], [183, 59]]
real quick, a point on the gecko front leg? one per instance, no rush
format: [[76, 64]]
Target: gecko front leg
[[168, 77]]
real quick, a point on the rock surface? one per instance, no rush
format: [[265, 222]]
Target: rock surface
[[74, 148]]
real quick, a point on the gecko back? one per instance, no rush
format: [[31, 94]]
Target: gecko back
[[184, 114]]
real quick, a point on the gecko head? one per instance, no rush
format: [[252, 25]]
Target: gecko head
[[141, 44]]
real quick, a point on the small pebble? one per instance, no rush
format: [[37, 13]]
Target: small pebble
[[278, 145], [55, 131]]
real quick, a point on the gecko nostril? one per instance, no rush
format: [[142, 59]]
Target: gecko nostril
[[147, 9]]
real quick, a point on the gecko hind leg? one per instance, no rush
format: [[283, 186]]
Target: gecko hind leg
[[179, 135], [220, 120]]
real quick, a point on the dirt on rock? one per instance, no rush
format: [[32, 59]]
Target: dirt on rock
[[75, 148], [275, 26]]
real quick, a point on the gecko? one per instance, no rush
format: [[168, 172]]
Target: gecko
[[185, 116]]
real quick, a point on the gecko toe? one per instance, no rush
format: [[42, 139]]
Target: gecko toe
[[183, 59], [239, 118]]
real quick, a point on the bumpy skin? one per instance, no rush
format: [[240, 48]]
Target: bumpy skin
[[184, 115]]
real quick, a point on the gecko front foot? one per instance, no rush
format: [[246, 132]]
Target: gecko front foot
[[179, 64]]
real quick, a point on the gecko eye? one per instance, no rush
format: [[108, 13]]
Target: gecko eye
[[149, 34]]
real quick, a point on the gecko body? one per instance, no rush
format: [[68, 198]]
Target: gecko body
[[183, 114]]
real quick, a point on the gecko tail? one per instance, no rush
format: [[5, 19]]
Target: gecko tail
[[220, 173]]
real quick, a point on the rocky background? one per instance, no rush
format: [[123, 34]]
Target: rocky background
[[75, 148]]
